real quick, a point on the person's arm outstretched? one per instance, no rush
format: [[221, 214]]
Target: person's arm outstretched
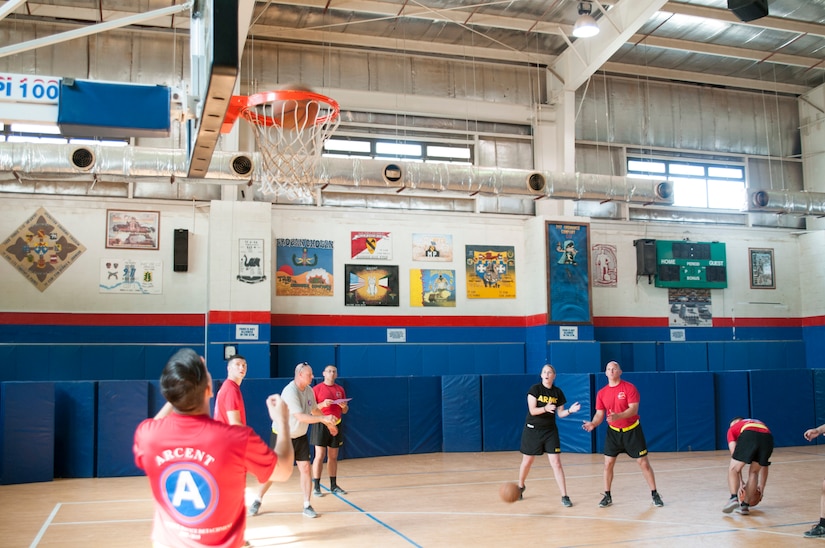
[[279, 413]]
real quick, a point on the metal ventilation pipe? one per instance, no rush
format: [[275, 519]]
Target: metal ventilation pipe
[[127, 161], [794, 203], [368, 173]]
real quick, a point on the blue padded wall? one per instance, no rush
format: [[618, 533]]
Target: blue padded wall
[[426, 433], [784, 400], [122, 405], [26, 432], [74, 429], [571, 357], [732, 397], [684, 356], [819, 401], [577, 388], [375, 423], [694, 404], [504, 408], [461, 412]]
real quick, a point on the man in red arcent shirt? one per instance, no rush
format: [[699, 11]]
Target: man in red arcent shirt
[[229, 407], [750, 442], [619, 400], [197, 466], [330, 397]]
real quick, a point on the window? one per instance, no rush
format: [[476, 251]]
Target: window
[[696, 183], [412, 151]]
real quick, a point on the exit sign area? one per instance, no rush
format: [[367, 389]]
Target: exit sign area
[[691, 264]]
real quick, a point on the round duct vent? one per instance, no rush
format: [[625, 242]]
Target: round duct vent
[[760, 198], [536, 182], [83, 158], [664, 190], [393, 173], [242, 165]]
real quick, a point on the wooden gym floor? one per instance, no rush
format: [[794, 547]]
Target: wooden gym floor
[[451, 499]]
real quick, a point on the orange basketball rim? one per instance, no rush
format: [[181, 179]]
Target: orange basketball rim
[[246, 107]]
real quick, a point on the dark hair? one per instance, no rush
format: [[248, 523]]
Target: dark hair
[[184, 381], [235, 357]]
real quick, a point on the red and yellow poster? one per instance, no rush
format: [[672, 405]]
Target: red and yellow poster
[[371, 245], [491, 272]]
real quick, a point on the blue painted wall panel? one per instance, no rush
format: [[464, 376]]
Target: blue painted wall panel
[[26, 432], [410, 360], [255, 392], [571, 357], [819, 401], [784, 400], [461, 412], [64, 362], [504, 409], [122, 405], [732, 396], [288, 356], [74, 432], [577, 388], [373, 428], [684, 356], [426, 431], [694, 404]]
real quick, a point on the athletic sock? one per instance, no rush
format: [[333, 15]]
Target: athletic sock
[[822, 522], [317, 483], [654, 493], [607, 493], [333, 482], [733, 496]]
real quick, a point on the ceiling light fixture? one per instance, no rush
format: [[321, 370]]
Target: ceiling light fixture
[[586, 26]]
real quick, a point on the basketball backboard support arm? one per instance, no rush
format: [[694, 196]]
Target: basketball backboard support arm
[[215, 41]]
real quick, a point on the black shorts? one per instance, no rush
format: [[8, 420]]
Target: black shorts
[[631, 442], [753, 445], [320, 436], [299, 445], [538, 441]]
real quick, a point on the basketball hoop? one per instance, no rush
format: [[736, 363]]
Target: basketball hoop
[[290, 128]]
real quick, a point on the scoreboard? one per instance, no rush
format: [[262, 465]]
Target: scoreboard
[[691, 264]]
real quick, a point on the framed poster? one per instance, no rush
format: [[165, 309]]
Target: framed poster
[[432, 247], [304, 267], [762, 273], [371, 285], [432, 287], [371, 245], [568, 273], [251, 258], [132, 229], [490, 271]]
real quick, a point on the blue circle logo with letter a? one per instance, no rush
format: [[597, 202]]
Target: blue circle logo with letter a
[[190, 492]]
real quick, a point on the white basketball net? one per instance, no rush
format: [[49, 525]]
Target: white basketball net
[[291, 149]]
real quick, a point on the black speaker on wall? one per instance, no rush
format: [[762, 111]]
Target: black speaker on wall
[[748, 10], [181, 250], [645, 257]]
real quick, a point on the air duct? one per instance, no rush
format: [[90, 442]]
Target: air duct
[[439, 177], [50, 159], [71, 161], [793, 203]]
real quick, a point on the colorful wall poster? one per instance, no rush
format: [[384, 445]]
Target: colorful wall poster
[[131, 276], [568, 272], [491, 271], [605, 271], [303, 267], [371, 245], [432, 247], [371, 285], [432, 287], [41, 249]]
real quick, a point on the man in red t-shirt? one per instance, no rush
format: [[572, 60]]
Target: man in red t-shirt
[[229, 407], [197, 466], [331, 401], [619, 400], [750, 442]]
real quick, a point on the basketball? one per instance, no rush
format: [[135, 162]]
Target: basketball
[[295, 114], [755, 499], [509, 492]]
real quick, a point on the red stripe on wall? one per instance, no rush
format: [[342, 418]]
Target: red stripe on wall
[[238, 316], [758, 322], [306, 320], [114, 320], [628, 321], [813, 321]]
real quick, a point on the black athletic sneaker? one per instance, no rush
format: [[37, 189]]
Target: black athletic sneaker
[[657, 500], [817, 531], [521, 492], [566, 502], [606, 501], [338, 491], [317, 492], [743, 509]]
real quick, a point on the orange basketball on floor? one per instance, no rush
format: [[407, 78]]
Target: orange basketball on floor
[[509, 492], [755, 499]]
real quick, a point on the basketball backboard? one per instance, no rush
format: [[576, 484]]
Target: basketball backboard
[[218, 32]]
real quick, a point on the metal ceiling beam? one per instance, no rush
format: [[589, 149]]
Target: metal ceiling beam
[[585, 56], [773, 23], [702, 78]]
